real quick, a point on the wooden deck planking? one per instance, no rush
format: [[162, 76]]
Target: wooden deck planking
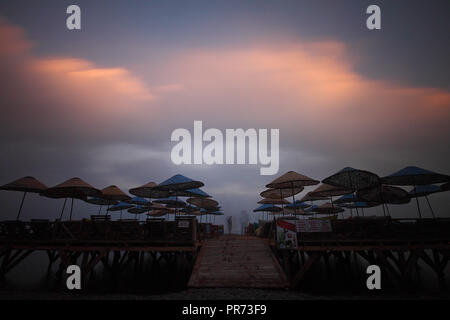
[[234, 261]]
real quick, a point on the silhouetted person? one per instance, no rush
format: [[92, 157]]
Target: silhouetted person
[[230, 224]]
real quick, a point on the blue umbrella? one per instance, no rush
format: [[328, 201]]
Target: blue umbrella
[[140, 201], [172, 200], [414, 176], [101, 202], [423, 191], [346, 199], [313, 208], [121, 206], [350, 197], [197, 193], [138, 210], [189, 208], [177, 184], [268, 207], [298, 205]]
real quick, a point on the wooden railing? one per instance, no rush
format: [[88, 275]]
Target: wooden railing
[[183, 229]]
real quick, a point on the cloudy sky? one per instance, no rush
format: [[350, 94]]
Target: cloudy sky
[[101, 103]]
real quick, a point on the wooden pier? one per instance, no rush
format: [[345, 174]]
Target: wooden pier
[[87, 243], [401, 248], [237, 261]]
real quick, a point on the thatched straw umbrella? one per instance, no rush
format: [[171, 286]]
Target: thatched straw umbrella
[[74, 188], [203, 203], [148, 191], [25, 185], [272, 193], [415, 176], [326, 190], [101, 202], [353, 179], [111, 196], [291, 180], [384, 195]]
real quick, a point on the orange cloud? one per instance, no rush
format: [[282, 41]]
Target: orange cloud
[[310, 91], [66, 94]]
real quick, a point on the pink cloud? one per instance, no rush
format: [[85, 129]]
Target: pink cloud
[[55, 94], [307, 89]]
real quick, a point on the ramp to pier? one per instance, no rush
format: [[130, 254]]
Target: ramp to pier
[[238, 262]]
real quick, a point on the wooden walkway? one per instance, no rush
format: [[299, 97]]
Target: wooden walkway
[[239, 262]]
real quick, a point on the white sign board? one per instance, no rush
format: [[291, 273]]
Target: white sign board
[[312, 225], [183, 224]]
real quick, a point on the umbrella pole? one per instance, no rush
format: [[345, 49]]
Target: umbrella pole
[[71, 210], [62, 211], [176, 206], [293, 198], [353, 192], [432, 212], [384, 210], [21, 205], [417, 201], [121, 214], [282, 205], [106, 213], [418, 206], [100, 210]]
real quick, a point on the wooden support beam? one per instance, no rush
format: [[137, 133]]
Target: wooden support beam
[[439, 268], [93, 262], [312, 259], [14, 260], [391, 273]]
